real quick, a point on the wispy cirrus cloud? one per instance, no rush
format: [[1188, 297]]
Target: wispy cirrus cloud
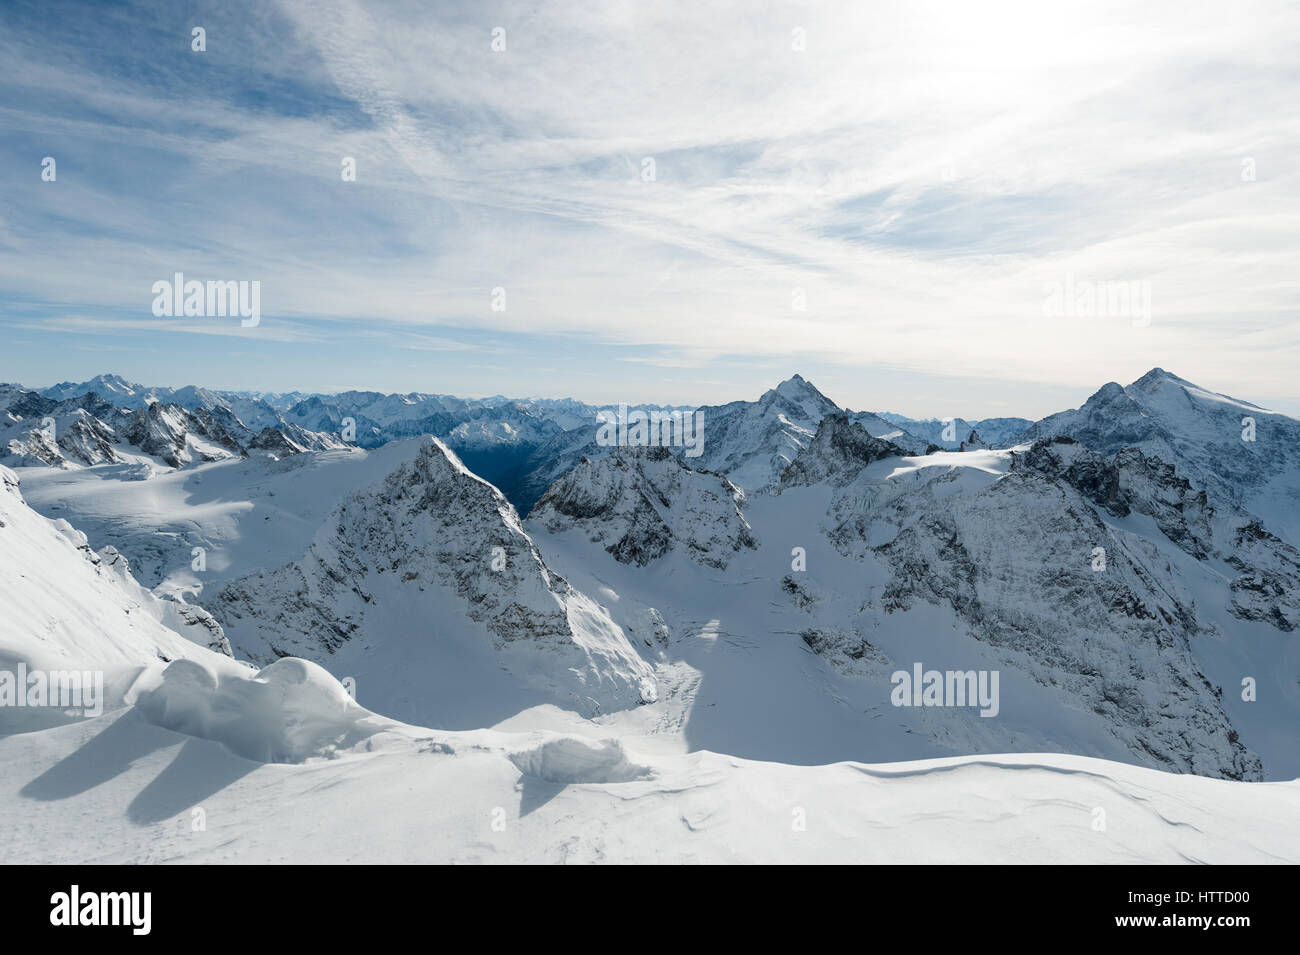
[[835, 185]]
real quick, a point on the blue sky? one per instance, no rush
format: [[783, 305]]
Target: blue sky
[[917, 174]]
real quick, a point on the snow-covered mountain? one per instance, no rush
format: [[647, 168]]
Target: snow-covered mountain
[[110, 387], [1133, 596], [84, 429], [1122, 610], [949, 433], [1015, 559], [520, 445], [751, 442], [1235, 450], [423, 587], [849, 542], [640, 503]]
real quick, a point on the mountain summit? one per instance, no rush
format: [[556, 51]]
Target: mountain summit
[[1236, 450]]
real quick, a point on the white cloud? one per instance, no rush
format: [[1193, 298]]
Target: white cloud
[[920, 171]]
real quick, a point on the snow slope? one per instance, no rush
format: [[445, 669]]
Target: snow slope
[[60, 601], [160, 796], [246, 514]]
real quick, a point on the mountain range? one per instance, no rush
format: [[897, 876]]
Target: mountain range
[[813, 550], [1125, 574]]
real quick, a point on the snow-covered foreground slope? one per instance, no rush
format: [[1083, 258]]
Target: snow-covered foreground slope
[[63, 604], [154, 795]]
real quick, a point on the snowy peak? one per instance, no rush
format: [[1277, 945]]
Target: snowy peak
[[1240, 453], [642, 503], [839, 450], [109, 386], [1157, 378], [800, 393], [431, 570], [753, 442], [796, 400]]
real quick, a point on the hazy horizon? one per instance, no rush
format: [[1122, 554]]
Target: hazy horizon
[[665, 401]]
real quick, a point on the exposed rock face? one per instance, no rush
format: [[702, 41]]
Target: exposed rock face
[[1267, 587], [161, 431], [89, 430], [838, 451], [1235, 451], [1013, 562], [276, 442], [88, 441], [1016, 558], [641, 503], [165, 430], [35, 449], [429, 532]]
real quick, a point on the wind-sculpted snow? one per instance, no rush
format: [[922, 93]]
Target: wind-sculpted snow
[[430, 797], [426, 562], [570, 760], [641, 503], [288, 712]]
